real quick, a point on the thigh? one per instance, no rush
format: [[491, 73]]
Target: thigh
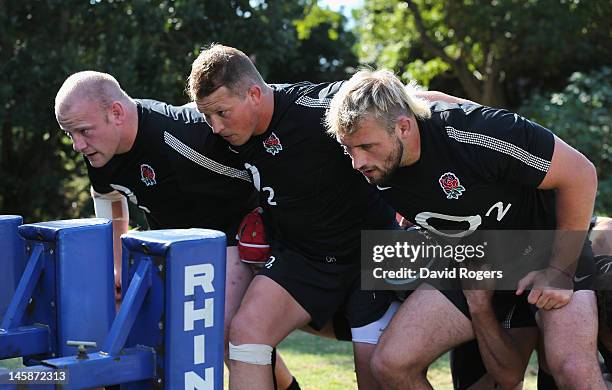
[[426, 325], [571, 329], [238, 276], [267, 315]]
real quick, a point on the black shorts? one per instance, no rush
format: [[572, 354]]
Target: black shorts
[[511, 311], [324, 288], [503, 301]]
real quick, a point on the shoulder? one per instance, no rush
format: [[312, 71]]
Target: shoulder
[[464, 120], [307, 94], [186, 114]]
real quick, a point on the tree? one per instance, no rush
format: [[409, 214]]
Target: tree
[[581, 114], [498, 50], [325, 50], [148, 45]]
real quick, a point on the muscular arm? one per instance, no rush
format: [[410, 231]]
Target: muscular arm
[[113, 206], [574, 179], [503, 356]]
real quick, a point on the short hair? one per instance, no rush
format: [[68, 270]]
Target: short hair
[[98, 87], [373, 93], [222, 66]]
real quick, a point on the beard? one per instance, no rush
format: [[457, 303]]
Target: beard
[[392, 162]]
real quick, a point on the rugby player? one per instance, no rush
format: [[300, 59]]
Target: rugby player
[[492, 170], [165, 160], [314, 208]]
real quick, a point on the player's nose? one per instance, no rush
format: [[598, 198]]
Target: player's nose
[[78, 143]]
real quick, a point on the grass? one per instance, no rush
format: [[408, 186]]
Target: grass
[[320, 363]]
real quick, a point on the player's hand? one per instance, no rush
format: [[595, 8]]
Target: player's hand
[[542, 294]]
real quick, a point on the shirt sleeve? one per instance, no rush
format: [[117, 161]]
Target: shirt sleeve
[[502, 145]]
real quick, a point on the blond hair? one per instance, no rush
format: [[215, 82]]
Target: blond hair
[[98, 87], [222, 66], [379, 94]]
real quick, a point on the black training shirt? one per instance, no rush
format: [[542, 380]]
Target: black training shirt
[[179, 172], [314, 201], [479, 168]]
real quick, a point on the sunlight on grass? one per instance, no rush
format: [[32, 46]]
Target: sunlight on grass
[[324, 364]]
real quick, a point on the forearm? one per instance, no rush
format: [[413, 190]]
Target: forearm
[[574, 179], [500, 353], [572, 226], [119, 227], [114, 207]]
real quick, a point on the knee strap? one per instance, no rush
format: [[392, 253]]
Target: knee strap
[[260, 354]]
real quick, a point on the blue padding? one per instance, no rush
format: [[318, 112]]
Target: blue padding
[[48, 231], [12, 247], [157, 242], [182, 316], [81, 257]]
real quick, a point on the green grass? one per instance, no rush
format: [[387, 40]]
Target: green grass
[[320, 363]]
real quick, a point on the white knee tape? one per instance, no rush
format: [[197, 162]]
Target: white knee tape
[[251, 353], [371, 332]]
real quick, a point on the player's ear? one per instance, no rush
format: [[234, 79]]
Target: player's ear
[[255, 93], [117, 112], [404, 126]]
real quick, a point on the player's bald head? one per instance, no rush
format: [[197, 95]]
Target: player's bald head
[[100, 88]]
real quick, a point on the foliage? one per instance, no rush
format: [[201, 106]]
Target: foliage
[[148, 45], [497, 50], [581, 114], [325, 52]]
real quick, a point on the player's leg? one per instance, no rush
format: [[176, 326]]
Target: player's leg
[[238, 277], [427, 325], [570, 342], [467, 363], [366, 337], [267, 315], [518, 321]]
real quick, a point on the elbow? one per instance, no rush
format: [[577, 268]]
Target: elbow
[[591, 173], [587, 170]]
